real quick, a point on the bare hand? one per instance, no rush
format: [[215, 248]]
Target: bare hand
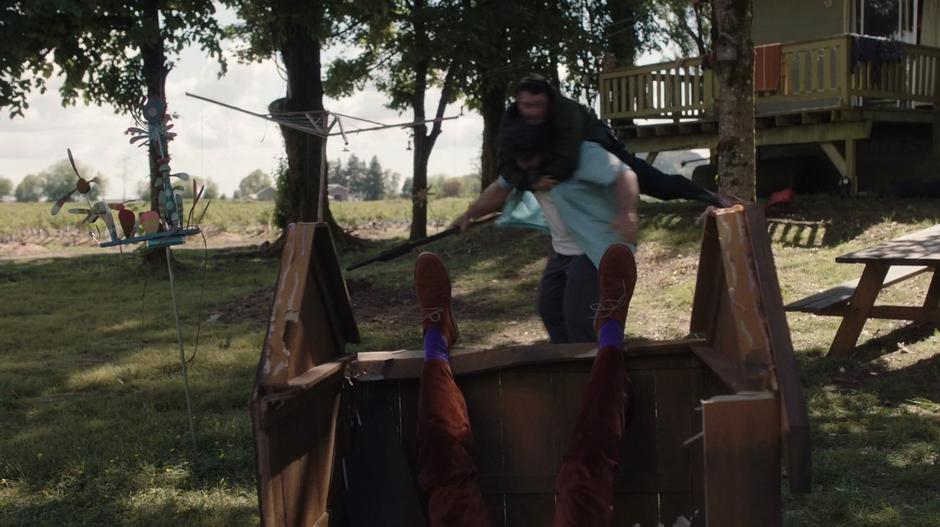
[[462, 222], [726, 200], [628, 226], [544, 183]]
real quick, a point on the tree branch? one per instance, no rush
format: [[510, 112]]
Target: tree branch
[[447, 91]]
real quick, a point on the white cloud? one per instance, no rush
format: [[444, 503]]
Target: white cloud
[[214, 142]]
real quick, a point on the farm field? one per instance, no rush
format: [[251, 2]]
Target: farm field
[[94, 422]]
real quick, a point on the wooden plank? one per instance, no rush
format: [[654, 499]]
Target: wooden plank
[[851, 162], [530, 509], [752, 341], [675, 402], [742, 460], [568, 391], [482, 394], [723, 366], [639, 438], [708, 282], [496, 506], [842, 293], [673, 506], [407, 364], [631, 482], [795, 429], [527, 414], [408, 392], [835, 157], [932, 300], [635, 509], [868, 288], [676, 399], [912, 313], [917, 248], [642, 86]]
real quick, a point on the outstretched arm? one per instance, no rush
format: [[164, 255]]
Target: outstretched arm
[[491, 200], [627, 195]]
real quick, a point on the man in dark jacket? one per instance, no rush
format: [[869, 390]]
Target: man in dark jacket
[[570, 124]]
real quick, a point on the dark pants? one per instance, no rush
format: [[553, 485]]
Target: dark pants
[[566, 294], [656, 183], [585, 484]]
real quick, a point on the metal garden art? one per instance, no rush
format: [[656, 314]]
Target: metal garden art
[[155, 228]]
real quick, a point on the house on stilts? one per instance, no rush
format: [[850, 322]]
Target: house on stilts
[[846, 91]]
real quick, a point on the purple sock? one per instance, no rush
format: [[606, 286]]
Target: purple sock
[[610, 335], [435, 347]]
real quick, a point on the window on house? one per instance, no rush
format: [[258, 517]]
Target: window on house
[[886, 18]]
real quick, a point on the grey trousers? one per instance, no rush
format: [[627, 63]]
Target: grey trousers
[[567, 292]]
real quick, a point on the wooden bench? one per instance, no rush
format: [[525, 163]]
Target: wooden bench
[[834, 301]]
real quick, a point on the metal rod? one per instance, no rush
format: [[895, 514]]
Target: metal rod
[[322, 194], [285, 124], [179, 338], [409, 124], [308, 130], [357, 118]]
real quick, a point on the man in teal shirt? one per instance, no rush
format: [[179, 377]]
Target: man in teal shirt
[[595, 208]]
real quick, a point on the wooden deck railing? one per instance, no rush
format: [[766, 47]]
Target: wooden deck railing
[[674, 89], [916, 79], [815, 74]]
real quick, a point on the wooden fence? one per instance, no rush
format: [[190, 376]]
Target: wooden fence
[[818, 73]]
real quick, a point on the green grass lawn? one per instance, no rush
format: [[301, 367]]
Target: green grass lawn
[[94, 425]]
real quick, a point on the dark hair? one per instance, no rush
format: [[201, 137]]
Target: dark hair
[[535, 83], [520, 140]]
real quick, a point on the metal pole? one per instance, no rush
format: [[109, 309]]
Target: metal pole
[[179, 338], [321, 198]]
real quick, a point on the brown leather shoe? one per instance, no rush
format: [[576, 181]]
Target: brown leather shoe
[[433, 288], [617, 278]]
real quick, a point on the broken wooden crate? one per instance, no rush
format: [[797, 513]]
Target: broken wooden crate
[[713, 413]]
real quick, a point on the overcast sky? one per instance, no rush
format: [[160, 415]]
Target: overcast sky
[[213, 142]]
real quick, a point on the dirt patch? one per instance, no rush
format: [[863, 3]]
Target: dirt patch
[[42, 243], [253, 309]]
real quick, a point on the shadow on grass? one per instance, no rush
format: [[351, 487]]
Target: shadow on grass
[[843, 220], [92, 401], [876, 438]]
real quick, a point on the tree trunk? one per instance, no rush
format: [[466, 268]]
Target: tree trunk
[[621, 38], [419, 186], [153, 52], [299, 196], [492, 107], [154, 57], [734, 68]]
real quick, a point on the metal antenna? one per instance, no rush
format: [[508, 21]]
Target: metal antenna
[[179, 338]]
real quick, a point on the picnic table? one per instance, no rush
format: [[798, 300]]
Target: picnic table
[[886, 264]]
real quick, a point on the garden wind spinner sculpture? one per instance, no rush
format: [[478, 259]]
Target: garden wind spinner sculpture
[[156, 228]]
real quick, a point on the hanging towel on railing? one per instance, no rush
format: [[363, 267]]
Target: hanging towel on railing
[[767, 68], [876, 51]]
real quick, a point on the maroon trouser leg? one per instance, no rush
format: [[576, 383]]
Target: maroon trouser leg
[[585, 484], [447, 471]]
